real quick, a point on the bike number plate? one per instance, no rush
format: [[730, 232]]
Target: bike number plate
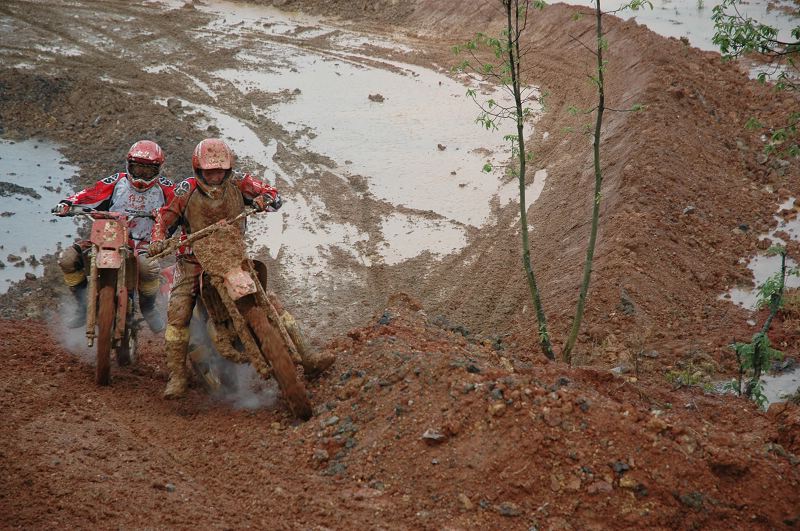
[[109, 259], [108, 233], [239, 283]]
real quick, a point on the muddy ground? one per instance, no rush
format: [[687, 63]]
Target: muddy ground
[[523, 443]]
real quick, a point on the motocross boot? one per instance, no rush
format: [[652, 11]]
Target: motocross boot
[[78, 318], [151, 314], [315, 363], [176, 363]]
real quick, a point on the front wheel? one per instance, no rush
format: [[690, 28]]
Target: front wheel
[[275, 352], [105, 325]]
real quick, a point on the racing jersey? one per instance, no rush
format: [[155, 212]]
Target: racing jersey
[[115, 194]]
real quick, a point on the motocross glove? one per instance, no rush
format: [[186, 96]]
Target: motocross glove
[[265, 203], [277, 203], [156, 247], [62, 208]]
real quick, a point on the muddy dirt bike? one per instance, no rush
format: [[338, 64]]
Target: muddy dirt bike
[[242, 321], [112, 277]]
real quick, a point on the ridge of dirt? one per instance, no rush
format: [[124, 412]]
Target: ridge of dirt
[[681, 179], [416, 426]]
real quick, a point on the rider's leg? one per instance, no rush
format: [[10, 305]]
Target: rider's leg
[[71, 263], [179, 315], [149, 284], [313, 362]]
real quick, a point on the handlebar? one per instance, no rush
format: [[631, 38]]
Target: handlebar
[[75, 210], [173, 243]]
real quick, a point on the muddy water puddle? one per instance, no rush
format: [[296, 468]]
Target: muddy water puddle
[[33, 178], [764, 266], [692, 18], [407, 132]]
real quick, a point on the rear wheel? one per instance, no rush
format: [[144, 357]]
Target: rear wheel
[[105, 325], [275, 352]]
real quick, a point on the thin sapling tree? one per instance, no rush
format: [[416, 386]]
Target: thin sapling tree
[[506, 71]]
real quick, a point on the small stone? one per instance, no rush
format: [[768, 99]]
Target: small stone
[[320, 455], [689, 210], [508, 509], [169, 487], [620, 467], [433, 436], [599, 487], [30, 276], [627, 482], [441, 147], [463, 499], [330, 421], [497, 409], [377, 98]]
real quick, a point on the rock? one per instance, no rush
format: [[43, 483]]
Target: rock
[[378, 98], [599, 487], [329, 422], [620, 467], [626, 304], [497, 409], [320, 455], [689, 210], [2, 264], [433, 436], [30, 276], [174, 105], [627, 482], [508, 509], [692, 499], [13, 258], [465, 503], [441, 147]]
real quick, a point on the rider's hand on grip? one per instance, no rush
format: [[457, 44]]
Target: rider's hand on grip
[[277, 203], [262, 203], [156, 247], [61, 209]]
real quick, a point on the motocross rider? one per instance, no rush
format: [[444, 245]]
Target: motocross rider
[[214, 193], [139, 187]]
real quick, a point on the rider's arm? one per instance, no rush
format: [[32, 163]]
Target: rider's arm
[[252, 187], [97, 196], [168, 216]]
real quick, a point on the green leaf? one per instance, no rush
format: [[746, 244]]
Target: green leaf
[[487, 168]]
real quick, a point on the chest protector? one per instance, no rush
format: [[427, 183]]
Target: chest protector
[[202, 211]]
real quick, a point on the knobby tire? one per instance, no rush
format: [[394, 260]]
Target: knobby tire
[[105, 326], [275, 352]]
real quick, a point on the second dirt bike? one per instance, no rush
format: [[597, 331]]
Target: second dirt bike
[[242, 322], [112, 277]]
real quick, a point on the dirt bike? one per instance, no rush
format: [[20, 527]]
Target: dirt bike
[[112, 276], [242, 321]]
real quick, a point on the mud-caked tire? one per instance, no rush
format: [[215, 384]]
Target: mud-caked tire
[[277, 355], [106, 308]]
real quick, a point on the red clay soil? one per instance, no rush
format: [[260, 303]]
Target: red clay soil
[[416, 426], [511, 442]]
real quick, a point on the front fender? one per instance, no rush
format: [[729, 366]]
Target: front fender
[[109, 259]]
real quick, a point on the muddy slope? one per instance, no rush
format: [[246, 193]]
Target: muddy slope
[[415, 427], [686, 191]]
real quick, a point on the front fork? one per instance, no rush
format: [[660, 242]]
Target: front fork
[[91, 298]]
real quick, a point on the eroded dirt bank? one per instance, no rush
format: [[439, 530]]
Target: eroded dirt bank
[[523, 443], [416, 427]]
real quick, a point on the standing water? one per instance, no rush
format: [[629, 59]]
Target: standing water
[[33, 178]]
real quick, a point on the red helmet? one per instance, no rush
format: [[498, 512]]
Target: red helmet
[[143, 164], [212, 154]]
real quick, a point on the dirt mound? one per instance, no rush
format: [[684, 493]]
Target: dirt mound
[[416, 426]]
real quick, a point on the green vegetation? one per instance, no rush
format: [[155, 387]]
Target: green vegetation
[[756, 356], [738, 35]]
